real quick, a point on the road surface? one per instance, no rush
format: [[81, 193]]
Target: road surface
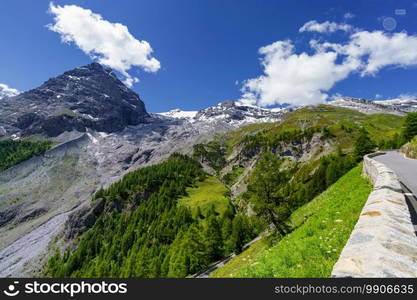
[[406, 170], [206, 273]]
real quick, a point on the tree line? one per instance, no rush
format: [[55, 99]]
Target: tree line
[[275, 192], [398, 139], [143, 232], [14, 152]]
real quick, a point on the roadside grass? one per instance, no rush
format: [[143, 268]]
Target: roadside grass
[[207, 193], [410, 149], [321, 229]]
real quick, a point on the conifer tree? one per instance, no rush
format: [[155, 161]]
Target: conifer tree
[[363, 145], [213, 238], [410, 126]]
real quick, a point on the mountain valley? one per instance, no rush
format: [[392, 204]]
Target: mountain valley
[[100, 135]]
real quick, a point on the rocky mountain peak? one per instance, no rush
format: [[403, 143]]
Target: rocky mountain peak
[[90, 96], [228, 114], [227, 104]]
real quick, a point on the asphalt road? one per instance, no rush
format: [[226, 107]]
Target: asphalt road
[[405, 168]]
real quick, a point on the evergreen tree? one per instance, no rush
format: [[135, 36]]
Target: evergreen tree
[[213, 238], [154, 236], [14, 152], [227, 228], [363, 145], [238, 234], [410, 126], [332, 173], [267, 200]]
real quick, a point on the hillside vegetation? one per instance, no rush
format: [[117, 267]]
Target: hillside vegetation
[[143, 232], [174, 220], [410, 136], [273, 169], [320, 229], [14, 152], [206, 195], [410, 149], [338, 122]]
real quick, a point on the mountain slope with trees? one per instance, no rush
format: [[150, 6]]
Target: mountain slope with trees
[[273, 169], [14, 152], [319, 231], [155, 221], [143, 232]]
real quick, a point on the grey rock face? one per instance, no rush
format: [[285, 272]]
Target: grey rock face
[[395, 106], [83, 219], [236, 115], [88, 97]]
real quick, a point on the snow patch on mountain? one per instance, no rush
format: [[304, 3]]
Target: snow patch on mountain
[[403, 104], [367, 106], [229, 113], [180, 114]]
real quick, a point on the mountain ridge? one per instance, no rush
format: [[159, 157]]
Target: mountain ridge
[[392, 106], [90, 96]]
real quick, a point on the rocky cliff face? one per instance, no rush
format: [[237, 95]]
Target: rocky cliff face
[[229, 114], [395, 106], [88, 97]]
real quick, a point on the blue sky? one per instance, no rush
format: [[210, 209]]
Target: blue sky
[[207, 49]]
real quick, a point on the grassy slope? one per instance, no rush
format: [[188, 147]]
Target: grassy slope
[[410, 149], [322, 228], [207, 193], [380, 126]]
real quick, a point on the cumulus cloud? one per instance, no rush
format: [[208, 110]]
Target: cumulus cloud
[[6, 91], [325, 27], [303, 79], [111, 44], [379, 49], [295, 79], [348, 16], [407, 96]]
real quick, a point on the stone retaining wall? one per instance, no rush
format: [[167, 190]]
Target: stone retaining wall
[[383, 242]]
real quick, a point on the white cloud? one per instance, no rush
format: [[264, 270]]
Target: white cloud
[[379, 49], [335, 96], [296, 79], [325, 27], [348, 16], [111, 44], [129, 81], [407, 96], [6, 91], [302, 79]]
